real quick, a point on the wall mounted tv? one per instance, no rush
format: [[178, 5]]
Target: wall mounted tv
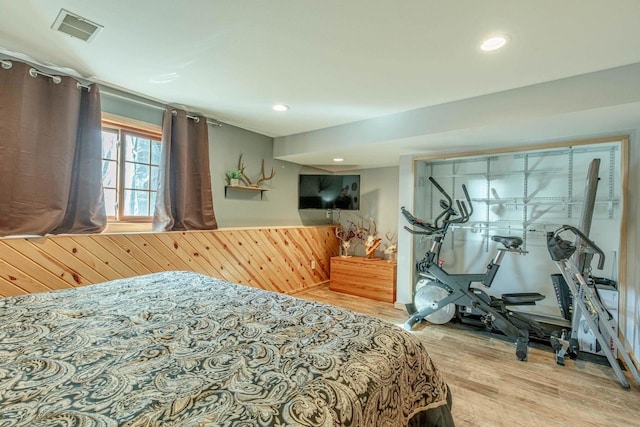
[[329, 192]]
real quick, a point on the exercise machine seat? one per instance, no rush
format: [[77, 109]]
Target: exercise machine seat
[[509, 242], [522, 298]]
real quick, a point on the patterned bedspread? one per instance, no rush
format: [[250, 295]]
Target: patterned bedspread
[[182, 349]]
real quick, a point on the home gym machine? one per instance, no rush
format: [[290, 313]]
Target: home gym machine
[[582, 301], [587, 302], [446, 291]]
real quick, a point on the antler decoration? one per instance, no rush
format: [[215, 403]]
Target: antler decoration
[[371, 240], [392, 249], [247, 180], [241, 166], [367, 234], [345, 235]]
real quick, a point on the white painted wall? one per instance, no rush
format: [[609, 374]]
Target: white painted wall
[[406, 265], [378, 200]]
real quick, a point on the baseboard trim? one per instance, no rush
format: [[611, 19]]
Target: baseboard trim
[[315, 285], [399, 306]]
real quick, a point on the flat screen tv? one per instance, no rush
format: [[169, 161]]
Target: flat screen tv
[[329, 192]]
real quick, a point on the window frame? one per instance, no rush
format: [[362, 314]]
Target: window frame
[[134, 128]]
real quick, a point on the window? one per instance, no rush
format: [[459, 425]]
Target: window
[[130, 172]]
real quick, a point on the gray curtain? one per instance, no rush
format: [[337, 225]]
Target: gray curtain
[[184, 200], [50, 155]]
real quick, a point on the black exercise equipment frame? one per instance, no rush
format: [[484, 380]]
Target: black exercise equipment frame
[[516, 326]]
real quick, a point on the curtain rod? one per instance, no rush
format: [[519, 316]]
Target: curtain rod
[[6, 64], [126, 98], [197, 119], [35, 73], [157, 107], [56, 79]]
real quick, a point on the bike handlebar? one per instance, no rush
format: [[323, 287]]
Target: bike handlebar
[[422, 233], [440, 189], [429, 229], [462, 215]]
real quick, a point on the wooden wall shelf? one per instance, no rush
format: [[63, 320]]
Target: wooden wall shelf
[[244, 187], [369, 278]]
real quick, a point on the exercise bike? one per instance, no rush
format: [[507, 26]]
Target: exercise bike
[[447, 293]]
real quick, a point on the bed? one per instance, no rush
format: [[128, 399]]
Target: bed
[[183, 349]]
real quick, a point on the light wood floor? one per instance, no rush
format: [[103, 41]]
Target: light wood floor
[[491, 387]]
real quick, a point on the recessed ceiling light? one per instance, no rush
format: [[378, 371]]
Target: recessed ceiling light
[[280, 107], [338, 159], [494, 43]]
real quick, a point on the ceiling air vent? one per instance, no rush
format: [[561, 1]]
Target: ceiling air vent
[[76, 26]]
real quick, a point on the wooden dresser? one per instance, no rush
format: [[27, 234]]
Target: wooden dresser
[[375, 278]]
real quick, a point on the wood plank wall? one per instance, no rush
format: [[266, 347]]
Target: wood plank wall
[[276, 259]]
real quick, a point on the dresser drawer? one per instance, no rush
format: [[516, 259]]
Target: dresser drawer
[[369, 278]]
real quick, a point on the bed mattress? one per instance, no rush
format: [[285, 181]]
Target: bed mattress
[[183, 349]]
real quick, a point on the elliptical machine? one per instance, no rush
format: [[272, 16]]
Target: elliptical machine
[[587, 302], [438, 300]]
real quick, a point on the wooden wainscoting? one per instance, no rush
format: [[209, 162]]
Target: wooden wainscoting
[[275, 258]]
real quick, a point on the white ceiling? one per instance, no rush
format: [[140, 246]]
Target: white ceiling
[[332, 61]]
